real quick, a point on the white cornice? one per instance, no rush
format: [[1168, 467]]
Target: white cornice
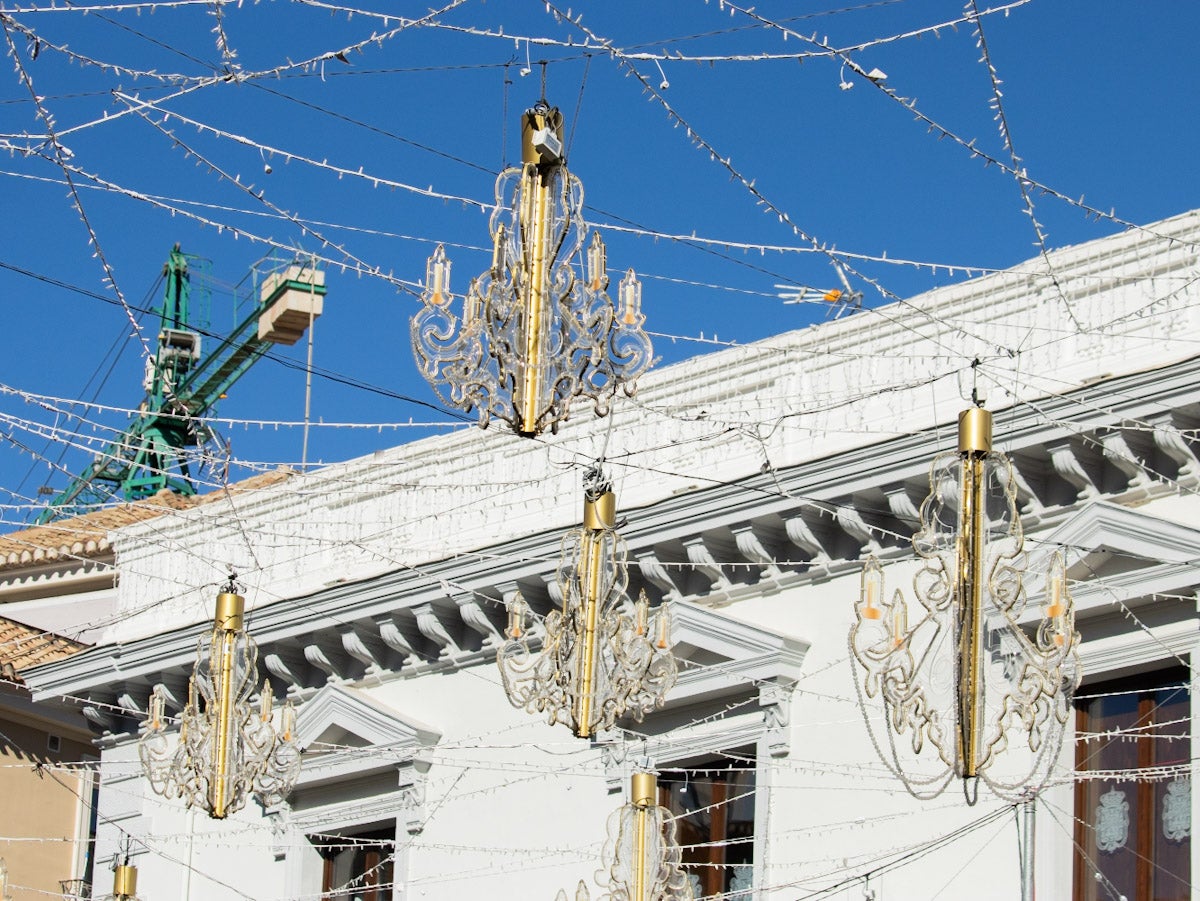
[[723, 505], [369, 515]]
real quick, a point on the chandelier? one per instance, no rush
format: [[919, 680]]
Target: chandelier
[[538, 328], [642, 860], [966, 691], [227, 748], [599, 659]]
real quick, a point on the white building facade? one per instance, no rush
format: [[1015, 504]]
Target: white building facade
[[754, 481]]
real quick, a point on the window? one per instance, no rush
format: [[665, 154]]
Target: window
[[1133, 836], [714, 803], [358, 867]]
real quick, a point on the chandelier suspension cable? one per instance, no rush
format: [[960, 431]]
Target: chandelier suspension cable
[[125, 876]]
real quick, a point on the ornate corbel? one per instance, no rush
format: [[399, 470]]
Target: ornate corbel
[[750, 546], [431, 627], [776, 703]]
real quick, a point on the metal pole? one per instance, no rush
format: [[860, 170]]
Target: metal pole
[[1028, 817], [308, 368]]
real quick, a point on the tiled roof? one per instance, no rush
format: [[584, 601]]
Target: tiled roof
[[22, 646], [87, 535]]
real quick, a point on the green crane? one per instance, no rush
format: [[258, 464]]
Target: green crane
[[183, 385]]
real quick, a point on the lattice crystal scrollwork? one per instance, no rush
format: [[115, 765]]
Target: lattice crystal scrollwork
[[642, 860], [228, 746], [599, 660], [943, 697], [538, 328]]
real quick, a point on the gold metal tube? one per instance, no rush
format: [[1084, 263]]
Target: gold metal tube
[[125, 881], [600, 512], [535, 302], [643, 791], [227, 622], [590, 547], [230, 611], [975, 441]]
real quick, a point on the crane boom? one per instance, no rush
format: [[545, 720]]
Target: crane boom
[[183, 386]]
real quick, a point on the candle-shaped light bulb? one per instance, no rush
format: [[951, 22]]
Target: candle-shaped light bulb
[[899, 619], [1056, 599], [597, 260], [516, 616], [499, 257], [641, 612], [437, 277], [871, 590], [287, 721], [266, 702], [664, 628], [156, 711], [473, 305], [630, 311]]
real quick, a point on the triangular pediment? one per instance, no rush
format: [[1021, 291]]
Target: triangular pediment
[[718, 654], [345, 717], [1126, 553], [1133, 533]]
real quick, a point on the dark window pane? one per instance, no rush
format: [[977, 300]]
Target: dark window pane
[[358, 867], [714, 803], [1128, 830]]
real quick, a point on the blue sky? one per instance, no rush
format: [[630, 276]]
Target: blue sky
[[1098, 99]]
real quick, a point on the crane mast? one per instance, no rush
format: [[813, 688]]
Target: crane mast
[[183, 386]]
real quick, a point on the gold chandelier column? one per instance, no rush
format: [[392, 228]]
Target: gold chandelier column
[[643, 795], [227, 623], [534, 228], [599, 516], [974, 443], [125, 878]]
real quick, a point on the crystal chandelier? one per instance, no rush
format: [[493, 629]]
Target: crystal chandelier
[[538, 328], [967, 692], [642, 860], [599, 659], [227, 749]]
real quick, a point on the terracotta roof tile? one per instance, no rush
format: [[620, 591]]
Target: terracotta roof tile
[[23, 646], [87, 535]]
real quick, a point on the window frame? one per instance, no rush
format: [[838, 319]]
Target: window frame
[[1146, 820], [710, 869]]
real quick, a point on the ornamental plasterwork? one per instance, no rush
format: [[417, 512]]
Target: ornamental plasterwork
[[1112, 821]]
